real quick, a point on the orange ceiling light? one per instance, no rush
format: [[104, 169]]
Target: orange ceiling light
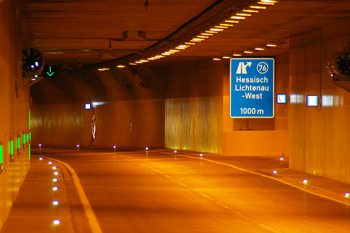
[[226, 57], [190, 43], [216, 59], [120, 66]]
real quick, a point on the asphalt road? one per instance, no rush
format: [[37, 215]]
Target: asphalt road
[[131, 191]]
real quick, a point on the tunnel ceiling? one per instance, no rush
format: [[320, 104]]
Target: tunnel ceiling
[[81, 31]]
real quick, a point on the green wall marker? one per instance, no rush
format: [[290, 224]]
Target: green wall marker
[[11, 147], [1, 154]]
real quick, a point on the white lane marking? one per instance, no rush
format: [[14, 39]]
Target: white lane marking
[[272, 178], [95, 227], [209, 198]]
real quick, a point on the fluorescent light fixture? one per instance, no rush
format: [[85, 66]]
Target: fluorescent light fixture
[[226, 24], [120, 66], [281, 98], [54, 179], [231, 21], [305, 181], [243, 14], [54, 188], [200, 155], [55, 202], [250, 11], [190, 43], [197, 39], [226, 57], [54, 167], [103, 69], [216, 59], [220, 26], [266, 3], [312, 100], [216, 29], [260, 48], [206, 34], [248, 51], [146, 148], [271, 44], [237, 54], [175, 151], [132, 64], [87, 106], [94, 104], [237, 17], [213, 32], [55, 173], [258, 7], [204, 37]]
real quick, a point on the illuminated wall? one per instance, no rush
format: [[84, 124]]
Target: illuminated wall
[[193, 108], [197, 113], [320, 136], [14, 113], [126, 114]]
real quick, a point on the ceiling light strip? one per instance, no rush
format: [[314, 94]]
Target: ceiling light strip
[[229, 22]]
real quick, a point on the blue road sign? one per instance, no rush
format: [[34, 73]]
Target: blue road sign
[[252, 87]]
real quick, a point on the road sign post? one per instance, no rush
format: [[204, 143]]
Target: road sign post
[[252, 87]]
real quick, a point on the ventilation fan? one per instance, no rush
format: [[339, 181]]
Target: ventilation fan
[[339, 66], [32, 61]]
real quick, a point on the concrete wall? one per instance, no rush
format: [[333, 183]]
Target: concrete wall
[[197, 113], [258, 137], [14, 111], [320, 136], [193, 108], [126, 115]]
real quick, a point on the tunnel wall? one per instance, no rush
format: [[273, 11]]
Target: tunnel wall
[[126, 114], [197, 113], [193, 107], [320, 136], [258, 137], [14, 113]]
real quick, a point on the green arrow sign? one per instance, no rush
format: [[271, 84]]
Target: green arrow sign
[[49, 73]]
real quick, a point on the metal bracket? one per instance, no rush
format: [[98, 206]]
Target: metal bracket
[[32, 83]]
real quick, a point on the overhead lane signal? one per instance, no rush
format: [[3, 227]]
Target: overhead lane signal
[[50, 71]]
